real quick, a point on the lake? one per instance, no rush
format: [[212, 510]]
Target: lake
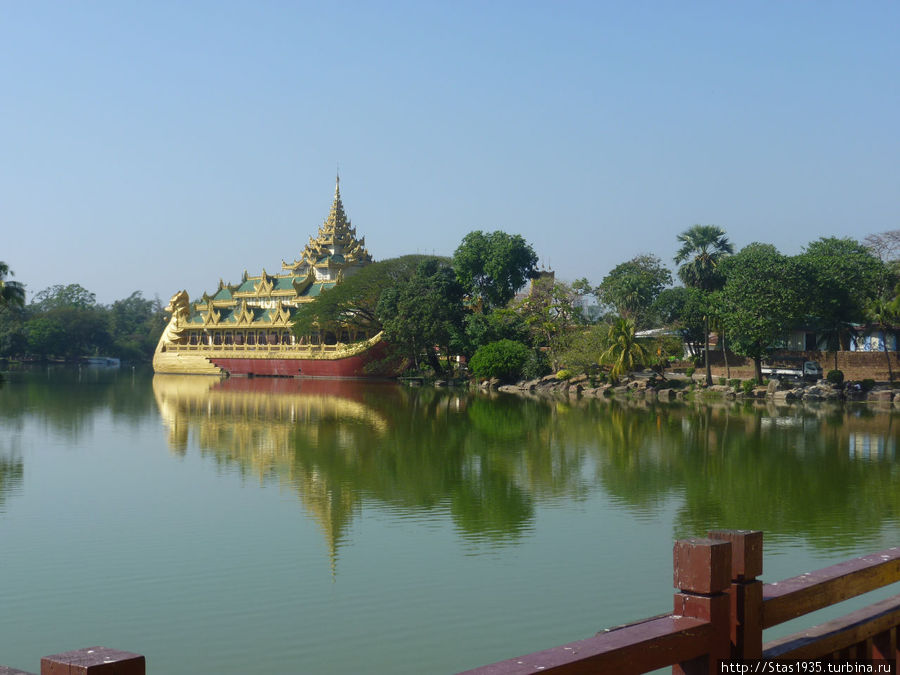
[[313, 526]]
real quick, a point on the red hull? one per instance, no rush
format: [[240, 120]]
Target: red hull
[[351, 366]]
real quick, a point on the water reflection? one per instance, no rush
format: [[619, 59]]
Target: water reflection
[[829, 475], [786, 471], [12, 471], [826, 474]]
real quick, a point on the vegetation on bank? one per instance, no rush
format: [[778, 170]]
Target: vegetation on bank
[[435, 309], [66, 322]]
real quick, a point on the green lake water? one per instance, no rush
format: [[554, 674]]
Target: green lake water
[[286, 526]]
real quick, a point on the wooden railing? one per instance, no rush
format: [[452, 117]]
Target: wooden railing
[[719, 614], [721, 609]]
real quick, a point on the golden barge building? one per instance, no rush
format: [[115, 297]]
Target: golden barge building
[[245, 328]]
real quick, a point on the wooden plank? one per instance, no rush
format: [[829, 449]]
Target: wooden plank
[[636, 648], [839, 634], [788, 599]]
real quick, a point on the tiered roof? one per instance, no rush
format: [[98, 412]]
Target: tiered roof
[[270, 299]]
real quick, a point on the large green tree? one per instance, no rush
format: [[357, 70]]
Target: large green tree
[[70, 332], [353, 302], [847, 276], [424, 312], [702, 250], [764, 296], [492, 266], [135, 325], [70, 295], [12, 293], [631, 287]]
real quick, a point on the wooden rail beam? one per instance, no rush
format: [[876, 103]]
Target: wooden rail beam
[[788, 599], [870, 632]]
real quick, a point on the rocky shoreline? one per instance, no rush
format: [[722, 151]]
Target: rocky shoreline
[[650, 386]]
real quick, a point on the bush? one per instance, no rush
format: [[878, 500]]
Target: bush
[[689, 371], [722, 381], [835, 376], [504, 359], [868, 384], [734, 382], [748, 385], [563, 374]]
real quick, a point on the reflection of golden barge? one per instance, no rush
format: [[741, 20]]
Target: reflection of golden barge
[[245, 328], [257, 425]]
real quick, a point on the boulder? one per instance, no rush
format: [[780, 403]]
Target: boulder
[[665, 394], [784, 395]]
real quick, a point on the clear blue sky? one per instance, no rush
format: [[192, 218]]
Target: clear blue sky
[[156, 146]]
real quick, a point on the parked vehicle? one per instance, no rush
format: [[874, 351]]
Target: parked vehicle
[[805, 370]]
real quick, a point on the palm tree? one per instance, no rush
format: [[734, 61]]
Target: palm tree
[[12, 293], [701, 252], [624, 352]]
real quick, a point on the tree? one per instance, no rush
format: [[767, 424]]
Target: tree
[[551, 312], [424, 313], [501, 324], [71, 295], [685, 310], [631, 287], [847, 276], [885, 245], [493, 266], [503, 359], [12, 293], [763, 297], [353, 302], [66, 321], [702, 249], [624, 353], [135, 325], [13, 340]]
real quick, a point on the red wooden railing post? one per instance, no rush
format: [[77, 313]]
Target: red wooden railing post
[[746, 591], [91, 660], [702, 571]]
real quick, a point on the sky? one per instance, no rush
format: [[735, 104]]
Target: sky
[[159, 146]]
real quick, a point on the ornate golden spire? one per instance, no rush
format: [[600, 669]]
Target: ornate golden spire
[[335, 245], [336, 223]]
